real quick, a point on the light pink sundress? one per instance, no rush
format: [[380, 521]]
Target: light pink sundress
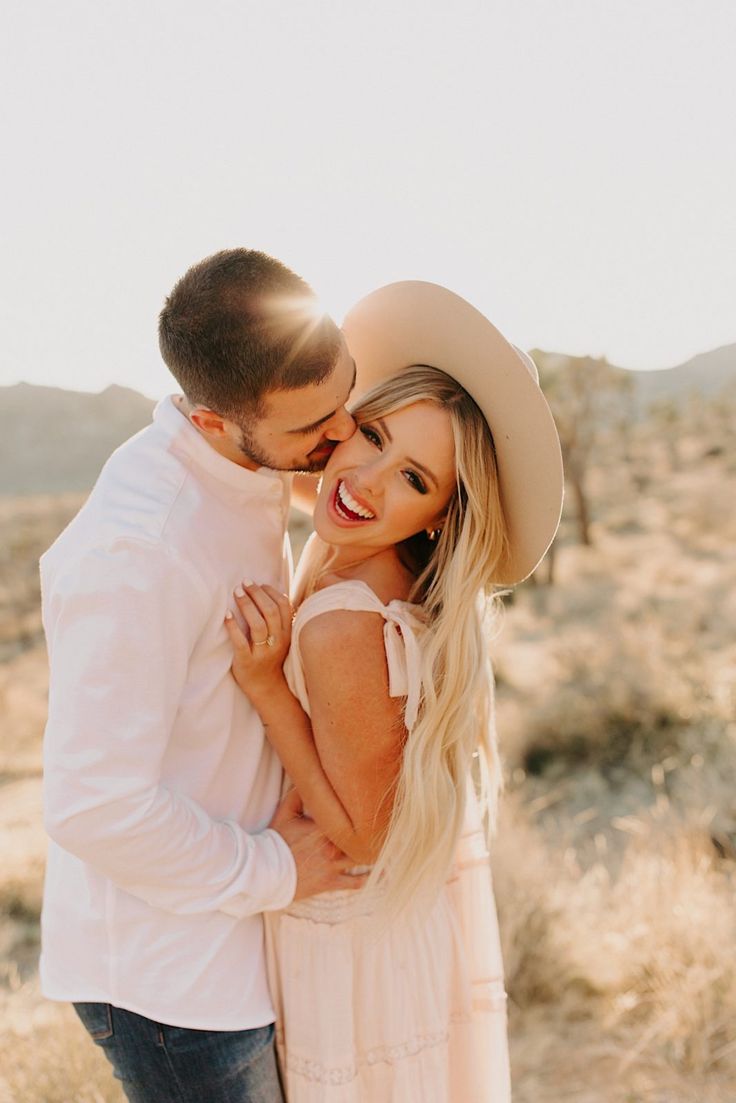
[[414, 1012]]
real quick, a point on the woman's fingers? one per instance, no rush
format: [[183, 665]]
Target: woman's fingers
[[237, 637], [262, 622], [260, 609], [242, 654], [284, 606], [257, 627]]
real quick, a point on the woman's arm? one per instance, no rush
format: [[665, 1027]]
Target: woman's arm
[[346, 760]]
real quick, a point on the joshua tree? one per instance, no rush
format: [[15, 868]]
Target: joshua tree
[[667, 416], [590, 400]]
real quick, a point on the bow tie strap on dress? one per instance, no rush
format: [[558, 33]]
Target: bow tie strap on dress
[[402, 633], [404, 660]]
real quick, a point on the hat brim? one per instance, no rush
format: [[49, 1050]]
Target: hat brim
[[413, 322]]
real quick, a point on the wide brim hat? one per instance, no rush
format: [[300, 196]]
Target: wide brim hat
[[413, 322]]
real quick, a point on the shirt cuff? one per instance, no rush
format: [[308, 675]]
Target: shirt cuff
[[271, 877], [287, 876]]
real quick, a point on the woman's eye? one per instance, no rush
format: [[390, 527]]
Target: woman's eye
[[414, 480], [371, 435]]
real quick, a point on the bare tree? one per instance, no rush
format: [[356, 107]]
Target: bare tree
[[668, 420], [591, 402]]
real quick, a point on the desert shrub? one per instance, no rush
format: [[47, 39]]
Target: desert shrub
[[27, 527], [656, 941], [616, 696], [20, 897], [642, 946], [527, 875]]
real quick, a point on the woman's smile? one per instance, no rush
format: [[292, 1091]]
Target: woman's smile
[[348, 507]]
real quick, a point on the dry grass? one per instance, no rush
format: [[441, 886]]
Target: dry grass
[[27, 527], [639, 961], [614, 863], [47, 1058]]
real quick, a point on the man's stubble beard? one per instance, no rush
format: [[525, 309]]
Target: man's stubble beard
[[256, 455]]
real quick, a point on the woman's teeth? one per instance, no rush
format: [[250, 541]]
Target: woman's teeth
[[350, 508]]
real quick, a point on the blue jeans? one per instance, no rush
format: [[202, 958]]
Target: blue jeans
[[156, 1063]]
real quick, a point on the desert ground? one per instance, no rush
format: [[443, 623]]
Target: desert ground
[[614, 856]]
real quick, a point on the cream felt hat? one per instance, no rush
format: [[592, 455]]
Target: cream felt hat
[[413, 322]]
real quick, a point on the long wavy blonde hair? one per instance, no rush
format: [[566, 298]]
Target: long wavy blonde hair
[[456, 587]]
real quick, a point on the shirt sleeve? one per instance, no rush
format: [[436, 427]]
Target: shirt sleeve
[[121, 625]]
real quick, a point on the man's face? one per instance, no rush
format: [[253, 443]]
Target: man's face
[[300, 428]]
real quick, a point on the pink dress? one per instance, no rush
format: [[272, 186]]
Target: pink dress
[[414, 1012]]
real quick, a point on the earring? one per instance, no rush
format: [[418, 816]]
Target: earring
[[433, 534]]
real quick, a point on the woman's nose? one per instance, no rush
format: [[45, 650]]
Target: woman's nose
[[369, 477]]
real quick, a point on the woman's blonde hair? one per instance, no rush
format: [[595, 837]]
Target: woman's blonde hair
[[455, 579]]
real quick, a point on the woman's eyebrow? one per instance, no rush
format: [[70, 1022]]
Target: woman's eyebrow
[[414, 463]]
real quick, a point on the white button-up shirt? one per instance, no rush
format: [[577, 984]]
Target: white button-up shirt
[[159, 783]]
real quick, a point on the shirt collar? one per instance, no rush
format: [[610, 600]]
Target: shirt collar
[[185, 438]]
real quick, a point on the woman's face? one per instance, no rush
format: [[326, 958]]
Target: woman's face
[[391, 479]]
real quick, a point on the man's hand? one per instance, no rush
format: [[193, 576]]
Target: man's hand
[[320, 865]]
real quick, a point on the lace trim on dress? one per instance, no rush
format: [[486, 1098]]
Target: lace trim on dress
[[343, 1074], [319, 1073], [335, 907]]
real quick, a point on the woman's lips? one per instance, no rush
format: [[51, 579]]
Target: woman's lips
[[341, 510]]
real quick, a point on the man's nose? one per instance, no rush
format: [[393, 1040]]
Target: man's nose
[[341, 426]]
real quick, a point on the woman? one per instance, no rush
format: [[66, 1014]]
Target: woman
[[384, 703]]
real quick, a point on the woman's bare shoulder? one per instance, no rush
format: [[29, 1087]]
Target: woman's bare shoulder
[[344, 658]]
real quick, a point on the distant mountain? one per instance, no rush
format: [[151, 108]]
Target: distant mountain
[[54, 440], [706, 374]]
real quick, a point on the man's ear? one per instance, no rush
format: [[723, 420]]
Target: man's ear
[[208, 422]]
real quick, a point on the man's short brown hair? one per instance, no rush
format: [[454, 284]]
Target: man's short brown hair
[[240, 324]]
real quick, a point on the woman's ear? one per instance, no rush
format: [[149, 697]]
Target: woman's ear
[[433, 532]]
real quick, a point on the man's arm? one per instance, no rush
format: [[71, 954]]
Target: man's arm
[[121, 626]]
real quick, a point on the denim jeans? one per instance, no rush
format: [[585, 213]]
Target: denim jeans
[[156, 1063]]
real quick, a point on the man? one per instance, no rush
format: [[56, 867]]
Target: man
[[160, 789]]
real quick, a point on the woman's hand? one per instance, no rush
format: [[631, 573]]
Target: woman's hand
[[259, 657]]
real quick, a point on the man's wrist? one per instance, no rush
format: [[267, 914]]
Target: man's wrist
[[288, 882]]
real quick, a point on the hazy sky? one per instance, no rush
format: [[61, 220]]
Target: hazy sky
[[567, 165]]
